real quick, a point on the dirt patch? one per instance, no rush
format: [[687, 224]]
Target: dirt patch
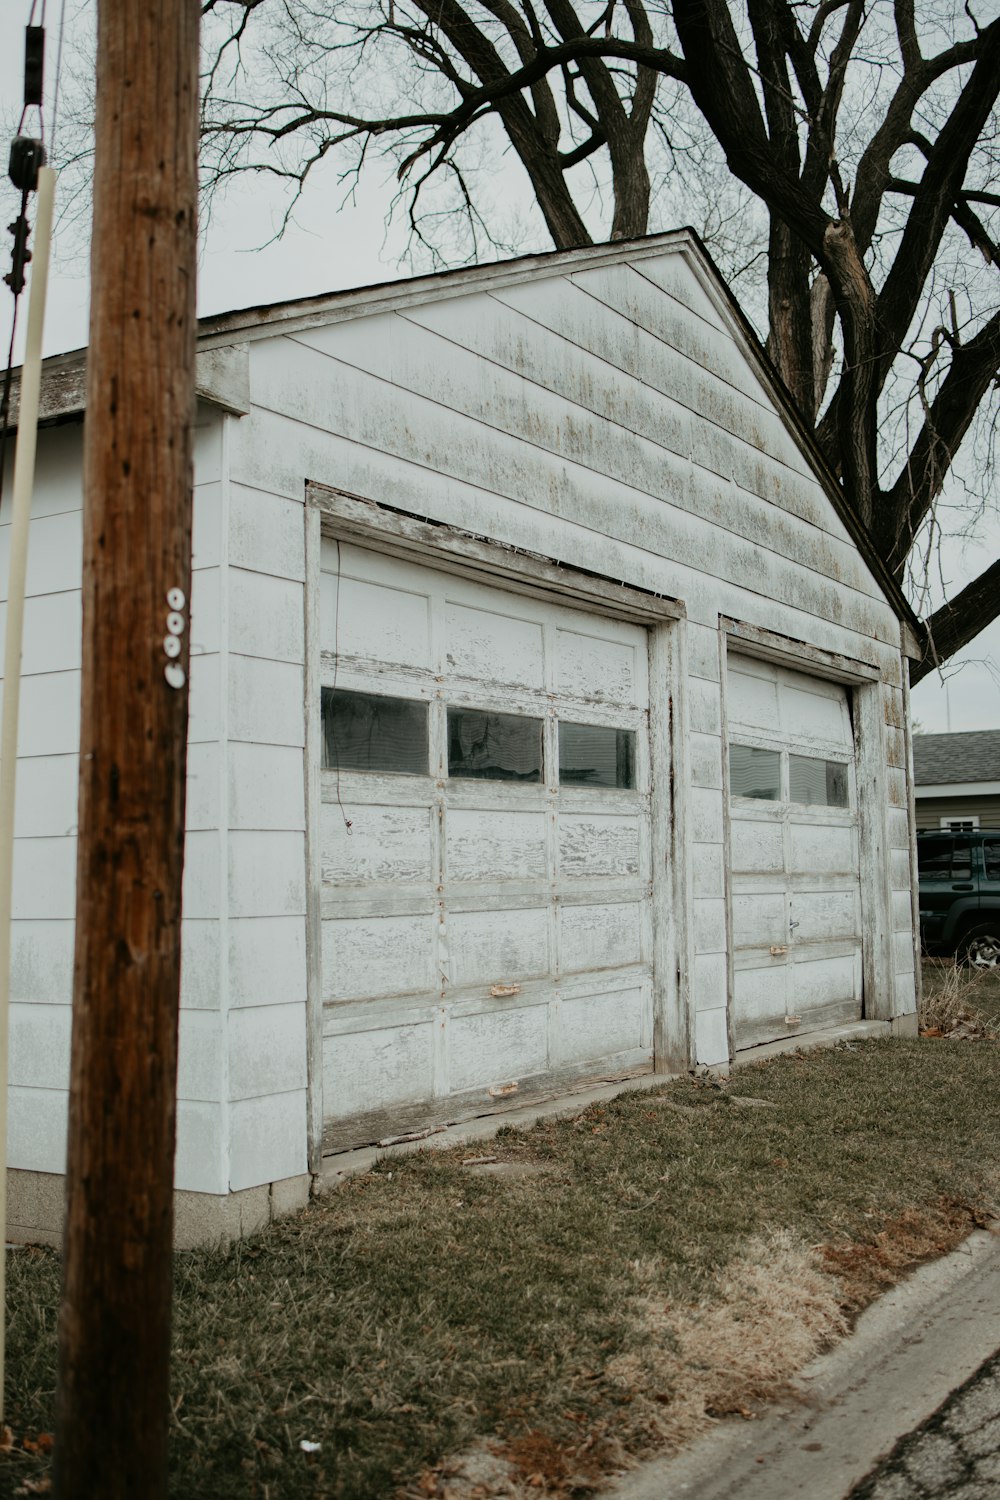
[[523, 1468], [559, 1468], [511, 1170], [481, 1473]]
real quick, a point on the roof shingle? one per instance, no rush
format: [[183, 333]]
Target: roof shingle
[[945, 759]]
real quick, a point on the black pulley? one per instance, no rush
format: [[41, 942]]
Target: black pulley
[[27, 156]]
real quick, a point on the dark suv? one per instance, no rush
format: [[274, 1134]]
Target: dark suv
[[960, 895]]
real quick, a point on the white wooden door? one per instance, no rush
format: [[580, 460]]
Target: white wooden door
[[793, 853], [485, 846]]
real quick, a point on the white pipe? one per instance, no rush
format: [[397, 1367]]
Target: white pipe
[[24, 478]]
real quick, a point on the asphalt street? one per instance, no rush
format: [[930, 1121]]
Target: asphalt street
[[955, 1453], [907, 1406]]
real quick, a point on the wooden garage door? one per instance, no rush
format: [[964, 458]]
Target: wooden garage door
[[793, 834], [485, 847]]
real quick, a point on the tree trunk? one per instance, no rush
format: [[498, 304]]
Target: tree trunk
[[790, 340], [115, 1320], [857, 395]]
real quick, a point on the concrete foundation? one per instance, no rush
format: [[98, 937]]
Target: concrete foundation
[[36, 1206]]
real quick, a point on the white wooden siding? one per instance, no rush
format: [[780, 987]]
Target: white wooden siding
[[571, 415], [45, 825], [656, 502], [263, 918]]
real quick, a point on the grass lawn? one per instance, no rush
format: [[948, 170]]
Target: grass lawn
[[603, 1286]]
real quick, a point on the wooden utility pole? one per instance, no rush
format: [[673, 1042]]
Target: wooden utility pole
[[111, 1429]]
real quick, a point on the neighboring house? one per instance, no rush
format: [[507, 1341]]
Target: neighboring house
[[548, 721], [957, 779]]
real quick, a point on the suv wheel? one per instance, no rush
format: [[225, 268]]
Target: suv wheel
[[980, 947]]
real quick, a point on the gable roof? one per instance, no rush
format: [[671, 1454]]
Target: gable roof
[[219, 379], [953, 759]]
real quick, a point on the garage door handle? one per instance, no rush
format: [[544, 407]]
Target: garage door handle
[[967, 887]]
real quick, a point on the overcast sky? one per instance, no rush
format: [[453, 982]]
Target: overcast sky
[[333, 246]]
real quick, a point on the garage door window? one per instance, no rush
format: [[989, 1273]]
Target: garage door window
[[817, 783], [812, 780], [754, 772], [366, 732], [596, 755], [494, 747]]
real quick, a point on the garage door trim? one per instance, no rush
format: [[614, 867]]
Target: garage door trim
[[349, 518], [767, 645]]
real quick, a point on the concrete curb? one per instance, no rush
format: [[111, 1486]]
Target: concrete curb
[[907, 1353]]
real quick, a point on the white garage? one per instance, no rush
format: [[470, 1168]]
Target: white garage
[[548, 723], [794, 853], [487, 920]]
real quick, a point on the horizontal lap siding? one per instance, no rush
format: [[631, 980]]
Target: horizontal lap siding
[[930, 810], [45, 822], [265, 953], [651, 507], [898, 848], [45, 814], [278, 450]]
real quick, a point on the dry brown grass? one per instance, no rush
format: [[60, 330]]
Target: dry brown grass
[[764, 1316], [762, 1319], [959, 1003], [867, 1267]]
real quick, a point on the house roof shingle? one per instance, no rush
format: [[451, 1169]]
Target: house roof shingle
[[947, 759]]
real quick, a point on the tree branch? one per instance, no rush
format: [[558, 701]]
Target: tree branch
[[973, 369], [940, 187], [959, 621], [872, 174]]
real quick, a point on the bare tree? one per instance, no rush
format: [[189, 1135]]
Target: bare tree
[[862, 135]]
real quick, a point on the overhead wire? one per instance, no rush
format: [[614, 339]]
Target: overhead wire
[[58, 78]]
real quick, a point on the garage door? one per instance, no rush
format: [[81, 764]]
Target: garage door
[[793, 831], [485, 847]]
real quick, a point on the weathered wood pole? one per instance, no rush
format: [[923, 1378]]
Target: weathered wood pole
[[112, 1410]]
